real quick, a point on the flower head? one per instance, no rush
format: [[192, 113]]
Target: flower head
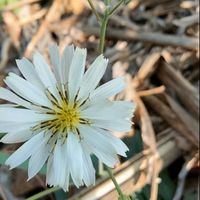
[[66, 116]]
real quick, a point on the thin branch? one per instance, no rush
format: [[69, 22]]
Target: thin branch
[[95, 12], [115, 8]]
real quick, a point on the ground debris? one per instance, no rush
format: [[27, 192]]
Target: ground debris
[[155, 45]]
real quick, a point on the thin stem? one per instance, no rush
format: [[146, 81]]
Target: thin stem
[[103, 27], [114, 181], [43, 193], [115, 8], [101, 48], [94, 11]]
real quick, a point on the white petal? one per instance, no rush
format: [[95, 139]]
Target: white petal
[[127, 104], [19, 133], [8, 126], [15, 137], [119, 125], [60, 163], [109, 111], [108, 89], [22, 115], [67, 57], [10, 96], [26, 90], [38, 159], [118, 145], [92, 76], [55, 59], [26, 150], [51, 179], [66, 184], [76, 72], [90, 103], [45, 74], [88, 169], [74, 155], [50, 172], [8, 105], [29, 73], [64, 167], [98, 145]]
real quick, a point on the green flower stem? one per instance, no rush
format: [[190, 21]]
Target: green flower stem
[[114, 181], [124, 198], [115, 8], [43, 193], [107, 14], [94, 11], [103, 27]]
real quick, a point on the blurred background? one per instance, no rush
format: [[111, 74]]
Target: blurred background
[[155, 45]]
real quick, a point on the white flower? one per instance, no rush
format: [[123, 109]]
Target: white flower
[[66, 117]]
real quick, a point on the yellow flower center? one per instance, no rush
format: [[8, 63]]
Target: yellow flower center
[[68, 117], [65, 118]]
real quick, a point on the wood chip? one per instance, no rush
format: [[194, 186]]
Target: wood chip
[[172, 79], [154, 38]]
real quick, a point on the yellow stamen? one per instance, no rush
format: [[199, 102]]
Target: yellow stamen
[[66, 117]]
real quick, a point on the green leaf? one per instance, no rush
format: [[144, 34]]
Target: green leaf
[[190, 196], [60, 194], [2, 134], [124, 197], [167, 187]]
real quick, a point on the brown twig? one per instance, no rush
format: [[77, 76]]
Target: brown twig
[[168, 114], [141, 80], [33, 17], [185, 91], [154, 38], [49, 18], [148, 132], [187, 21], [190, 122], [157, 90], [148, 136], [115, 18]]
